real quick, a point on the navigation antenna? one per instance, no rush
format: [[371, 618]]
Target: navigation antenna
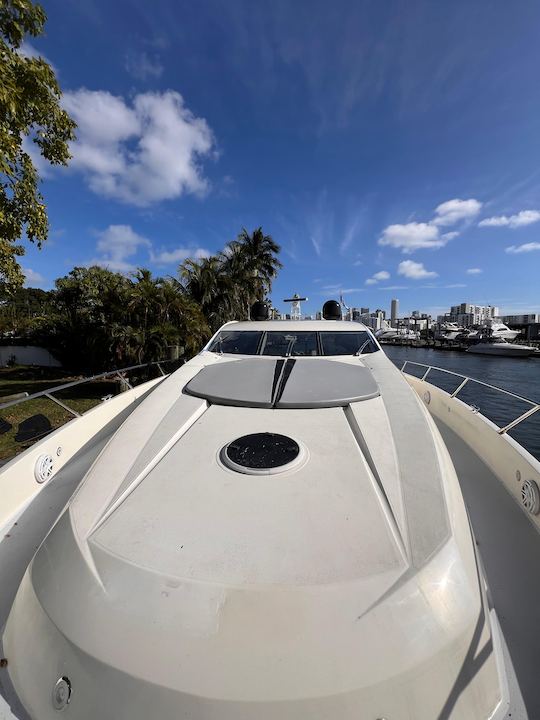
[[346, 307], [295, 300]]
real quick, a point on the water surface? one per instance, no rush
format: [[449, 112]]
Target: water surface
[[519, 375]]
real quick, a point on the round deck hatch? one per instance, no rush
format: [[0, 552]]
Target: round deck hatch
[[262, 453]]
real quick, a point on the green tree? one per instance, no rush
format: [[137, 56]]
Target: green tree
[[225, 285], [89, 303], [207, 283], [261, 263], [29, 110]]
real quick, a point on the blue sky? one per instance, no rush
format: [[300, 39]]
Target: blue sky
[[391, 148]]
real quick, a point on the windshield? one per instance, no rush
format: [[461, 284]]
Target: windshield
[[347, 343], [298, 343], [290, 344], [236, 342]]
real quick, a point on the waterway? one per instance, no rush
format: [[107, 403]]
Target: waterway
[[519, 375]]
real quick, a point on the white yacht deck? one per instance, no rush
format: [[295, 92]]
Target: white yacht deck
[[490, 467], [509, 548]]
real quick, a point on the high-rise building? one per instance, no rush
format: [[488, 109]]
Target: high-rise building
[[468, 315], [394, 309]]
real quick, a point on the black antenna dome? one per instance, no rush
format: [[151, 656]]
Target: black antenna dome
[[260, 310], [331, 310]]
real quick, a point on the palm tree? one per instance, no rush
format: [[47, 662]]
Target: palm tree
[[261, 262], [208, 284], [244, 281]]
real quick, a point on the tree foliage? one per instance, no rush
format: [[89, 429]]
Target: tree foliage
[[96, 319], [30, 114], [226, 284]]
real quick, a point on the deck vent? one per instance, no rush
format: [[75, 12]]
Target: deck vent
[[44, 468], [262, 454], [530, 496]]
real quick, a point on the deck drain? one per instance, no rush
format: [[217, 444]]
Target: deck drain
[[530, 496], [61, 694]]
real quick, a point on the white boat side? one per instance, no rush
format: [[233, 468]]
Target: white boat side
[[346, 585], [500, 347]]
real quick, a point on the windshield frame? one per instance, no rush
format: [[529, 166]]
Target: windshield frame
[[370, 340]]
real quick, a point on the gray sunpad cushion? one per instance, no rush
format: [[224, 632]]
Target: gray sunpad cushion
[[296, 383], [246, 383], [327, 383]]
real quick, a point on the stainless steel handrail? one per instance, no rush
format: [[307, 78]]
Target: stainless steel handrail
[[466, 379], [111, 373]]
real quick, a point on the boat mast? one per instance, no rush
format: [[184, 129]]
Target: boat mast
[[296, 311]]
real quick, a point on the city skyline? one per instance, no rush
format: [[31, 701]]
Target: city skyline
[[389, 152]]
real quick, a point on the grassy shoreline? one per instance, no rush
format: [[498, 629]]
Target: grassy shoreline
[[32, 380]]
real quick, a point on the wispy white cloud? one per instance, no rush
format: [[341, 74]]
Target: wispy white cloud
[[352, 229], [525, 217], [413, 236], [525, 248], [168, 257], [474, 271], [414, 270], [27, 50], [393, 287], [377, 277], [337, 289], [456, 210], [32, 278], [143, 66], [138, 152], [116, 246], [449, 235]]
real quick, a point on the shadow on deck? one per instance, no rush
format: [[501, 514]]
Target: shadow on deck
[[509, 547]]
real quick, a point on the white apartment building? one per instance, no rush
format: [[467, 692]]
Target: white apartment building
[[468, 315]]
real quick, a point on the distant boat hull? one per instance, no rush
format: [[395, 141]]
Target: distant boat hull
[[502, 348]]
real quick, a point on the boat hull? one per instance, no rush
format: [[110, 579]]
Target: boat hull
[[503, 349]]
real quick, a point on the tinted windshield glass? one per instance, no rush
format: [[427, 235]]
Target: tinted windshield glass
[[293, 343], [236, 342], [346, 343], [290, 343]]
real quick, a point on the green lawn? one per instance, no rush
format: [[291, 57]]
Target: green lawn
[[31, 380]]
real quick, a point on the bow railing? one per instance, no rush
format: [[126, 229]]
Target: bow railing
[[465, 380], [25, 420]]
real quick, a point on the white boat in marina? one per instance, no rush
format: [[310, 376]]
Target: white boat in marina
[[276, 531], [449, 331], [496, 329], [406, 333], [386, 331], [493, 346]]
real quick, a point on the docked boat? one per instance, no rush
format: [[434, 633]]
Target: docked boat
[[407, 334], [449, 331], [275, 531], [496, 329], [493, 346], [386, 331]]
